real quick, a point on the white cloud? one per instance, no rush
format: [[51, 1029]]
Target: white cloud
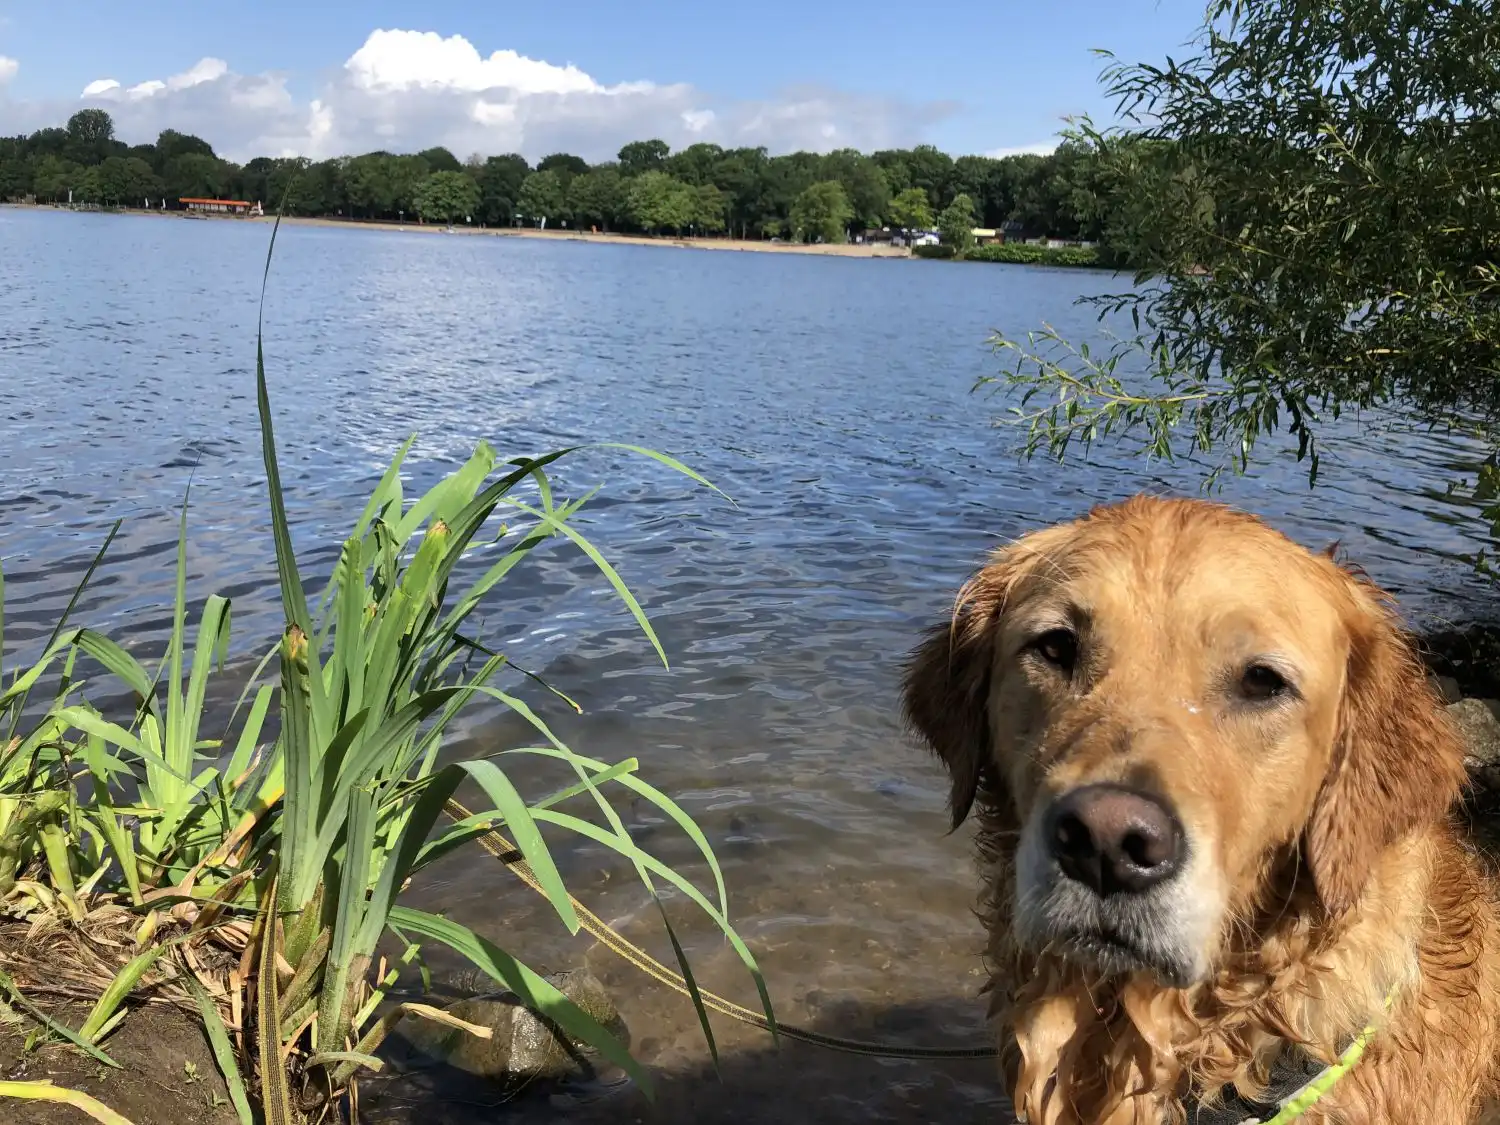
[[204, 70], [8, 68], [1041, 148], [399, 60], [408, 90]]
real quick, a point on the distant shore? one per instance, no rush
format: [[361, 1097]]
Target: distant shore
[[845, 250], [842, 250]]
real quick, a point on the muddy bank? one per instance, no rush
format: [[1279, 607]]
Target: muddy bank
[[167, 1074]]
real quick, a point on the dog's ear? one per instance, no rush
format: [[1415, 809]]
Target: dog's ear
[[946, 688], [1398, 762]]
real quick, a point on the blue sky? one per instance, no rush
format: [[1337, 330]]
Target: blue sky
[[967, 76]]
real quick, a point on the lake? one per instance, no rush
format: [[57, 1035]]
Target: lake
[[829, 397]]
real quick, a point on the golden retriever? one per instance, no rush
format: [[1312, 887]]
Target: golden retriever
[[1213, 788]]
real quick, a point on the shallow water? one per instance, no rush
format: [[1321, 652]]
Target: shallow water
[[830, 398]]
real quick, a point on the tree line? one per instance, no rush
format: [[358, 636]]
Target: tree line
[[703, 189]]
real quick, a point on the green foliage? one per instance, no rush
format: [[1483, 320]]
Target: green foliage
[[956, 225], [822, 213], [709, 209], [447, 197], [910, 210], [1309, 201], [740, 191], [656, 202], [640, 157], [565, 166], [440, 159], [1027, 254], [598, 198], [541, 198], [500, 179]]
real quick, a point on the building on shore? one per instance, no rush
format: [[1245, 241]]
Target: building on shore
[[222, 206]]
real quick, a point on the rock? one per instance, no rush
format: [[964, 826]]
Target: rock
[[523, 1045], [1476, 719], [1447, 688]]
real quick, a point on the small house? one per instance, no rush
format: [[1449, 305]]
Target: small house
[[221, 206]]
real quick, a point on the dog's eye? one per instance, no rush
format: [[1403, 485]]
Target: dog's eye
[[1260, 683], [1058, 647]]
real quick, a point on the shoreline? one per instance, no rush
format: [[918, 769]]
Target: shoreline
[[753, 246]]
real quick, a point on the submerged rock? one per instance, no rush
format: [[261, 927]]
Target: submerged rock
[[523, 1045]]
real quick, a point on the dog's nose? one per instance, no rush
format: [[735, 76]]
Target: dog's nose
[[1114, 839]]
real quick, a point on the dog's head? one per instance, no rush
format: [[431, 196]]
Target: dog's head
[[1163, 698]]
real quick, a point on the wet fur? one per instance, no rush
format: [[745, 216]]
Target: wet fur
[[1377, 891]]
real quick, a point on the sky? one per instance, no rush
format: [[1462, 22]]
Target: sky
[[324, 78]]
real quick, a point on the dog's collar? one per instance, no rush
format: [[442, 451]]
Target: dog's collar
[[1292, 1091]]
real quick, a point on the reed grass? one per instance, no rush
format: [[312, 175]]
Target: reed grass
[[252, 877]]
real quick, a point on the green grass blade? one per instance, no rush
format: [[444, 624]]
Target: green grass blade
[[90, 723], [115, 660], [177, 752], [67, 613], [641, 788], [244, 749], [532, 990], [42, 1090], [604, 568], [670, 462], [424, 813], [293, 599], [498, 788], [626, 847], [122, 986], [213, 640], [18, 998], [218, 1041]]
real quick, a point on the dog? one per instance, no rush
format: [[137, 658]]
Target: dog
[[1214, 791]]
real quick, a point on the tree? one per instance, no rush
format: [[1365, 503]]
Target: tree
[[541, 198], [1311, 207], [863, 182], [639, 157], [440, 159], [695, 164], [930, 169], [710, 209], [822, 212], [500, 179], [171, 144], [91, 126], [597, 198], [126, 181], [956, 225], [194, 175], [368, 185], [15, 177], [911, 211], [657, 202], [565, 165], [54, 177], [446, 197]]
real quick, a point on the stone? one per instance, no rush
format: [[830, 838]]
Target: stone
[[1447, 688], [1477, 722], [522, 1046]]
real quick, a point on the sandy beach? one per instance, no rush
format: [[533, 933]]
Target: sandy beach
[[845, 250]]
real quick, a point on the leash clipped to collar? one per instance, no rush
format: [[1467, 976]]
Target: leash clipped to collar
[[1303, 1097]]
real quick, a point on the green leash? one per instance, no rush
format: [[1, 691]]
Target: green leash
[[1303, 1099]]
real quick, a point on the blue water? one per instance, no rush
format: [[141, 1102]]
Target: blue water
[[829, 397]]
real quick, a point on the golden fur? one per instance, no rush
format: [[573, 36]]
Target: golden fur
[[1332, 874]]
